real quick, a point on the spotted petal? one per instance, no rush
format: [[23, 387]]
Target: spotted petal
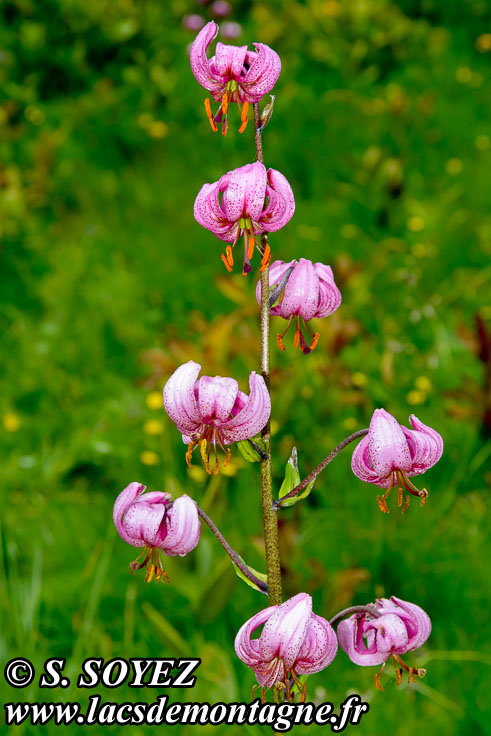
[[425, 445], [387, 446], [329, 294], [301, 292], [182, 527], [361, 467], [417, 621], [262, 74], [277, 213], [121, 505], [253, 416], [245, 192], [216, 398], [319, 648], [246, 648], [284, 632], [179, 398], [229, 60], [200, 65]]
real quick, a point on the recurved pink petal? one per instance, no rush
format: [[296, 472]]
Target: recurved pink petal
[[361, 468], [182, 527], [121, 505], [387, 446], [142, 522], [229, 60], [216, 398], [376, 650], [425, 445], [275, 218], [253, 416], [208, 212], [417, 621], [284, 632], [244, 645], [244, 196], [301, 292], [179, 398], [262, 74], [199, 63], [329, 294], [319, 648]]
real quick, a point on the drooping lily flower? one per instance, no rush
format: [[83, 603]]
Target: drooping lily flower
[[153, 521], [234, 74], [400, 627], [246, 202], [293, 642], [213, 411], [391, 453], [303, 290]]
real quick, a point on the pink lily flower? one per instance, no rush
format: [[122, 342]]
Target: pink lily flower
[[235, 206], [391, 453], [400, 627], [212, 411], [294, 641], [153, 521], [303, 290], [234, 74]]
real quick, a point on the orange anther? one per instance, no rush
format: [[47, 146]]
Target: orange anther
[[315, 340], [209, 115], [266, 257], [230, 258], [280, 341], [382, 504], [406, 505], [226, 263], [377, 682], [225, 127], [243, 117], [296, 339], [225, 103], [250, 250]]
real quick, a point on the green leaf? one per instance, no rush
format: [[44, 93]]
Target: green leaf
[[251, 450], [260, 575], [291, 480]]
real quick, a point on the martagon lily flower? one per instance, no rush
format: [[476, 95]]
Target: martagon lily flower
[[245, 202], [391, 453], [293, 642], [303, 290], [234, 74], [213, 411], [153, 521], [400, 627]]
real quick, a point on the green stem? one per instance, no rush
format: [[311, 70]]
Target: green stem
[[271, 541]]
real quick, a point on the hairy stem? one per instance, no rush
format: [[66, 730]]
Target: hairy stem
[[231, 553], [316, 471], [271, 541], [354, 609]]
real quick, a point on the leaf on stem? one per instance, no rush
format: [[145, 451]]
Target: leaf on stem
[[259, 575], [291, 480], [254, 451]]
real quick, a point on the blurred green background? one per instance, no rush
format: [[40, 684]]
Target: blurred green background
[[108, 284]]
